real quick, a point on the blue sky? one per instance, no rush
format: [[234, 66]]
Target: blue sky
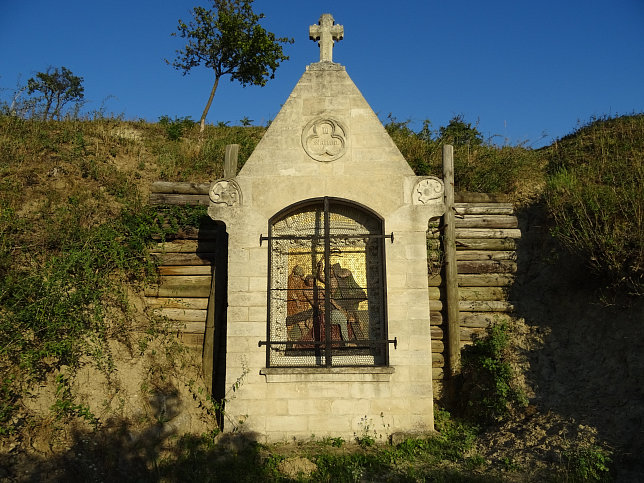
[[519, 69]]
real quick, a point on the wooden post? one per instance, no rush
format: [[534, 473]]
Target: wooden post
[[451, 272], [230, 161]]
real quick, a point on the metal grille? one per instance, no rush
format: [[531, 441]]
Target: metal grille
[[326, 295]]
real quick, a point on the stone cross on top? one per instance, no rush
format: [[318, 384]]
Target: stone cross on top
[[326, 32]]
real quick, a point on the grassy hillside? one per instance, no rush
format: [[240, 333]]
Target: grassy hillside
[[595, 196], [591, 181], [74, 232]]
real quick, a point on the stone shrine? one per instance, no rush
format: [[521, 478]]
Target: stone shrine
[[327, 328]]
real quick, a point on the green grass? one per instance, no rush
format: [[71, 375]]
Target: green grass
[[442, 457], [595, 197]]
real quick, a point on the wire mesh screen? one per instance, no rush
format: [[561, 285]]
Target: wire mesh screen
[[326, 298]]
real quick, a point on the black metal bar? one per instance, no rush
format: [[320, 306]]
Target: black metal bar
[[269, 315], [317, 309], [286, 289], [383, 295], [327, 282], [359, 343], [333, 237]]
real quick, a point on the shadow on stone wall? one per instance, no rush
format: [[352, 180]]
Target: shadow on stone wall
[[589, 366], [214, 345]]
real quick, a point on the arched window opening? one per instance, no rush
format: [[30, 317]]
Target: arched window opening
[[326, 294]]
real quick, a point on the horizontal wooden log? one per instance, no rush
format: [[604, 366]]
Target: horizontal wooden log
[[475, 280], [486, 255], [487, 233], [486, 306], [484, 208], [201, 233], [437, 373], [483, 320], [437, 346], [470, 197], [435, 318], [194, 327], [184, 258], [438, 360], [476, 306], [185, 270], [173, 187], [466, 334], [191, 339], [486, 266], [182, 315], [485, 280], [480, 320], [485, 244], [471, 333], [482, 293], [179, 327], [434, 280], [186, 246], [178, 199], [471, 293], [487, 221], [186, 286], [200, 303]]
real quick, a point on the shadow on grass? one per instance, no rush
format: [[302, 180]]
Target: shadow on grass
[[118, 453]]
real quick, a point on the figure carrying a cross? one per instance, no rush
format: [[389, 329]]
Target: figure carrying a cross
[[325, 33]]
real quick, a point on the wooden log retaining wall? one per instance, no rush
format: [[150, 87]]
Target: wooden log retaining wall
[[486, 236], [185, 278], [186, 265]]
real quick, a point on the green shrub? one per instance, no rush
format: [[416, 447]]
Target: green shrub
[[421, 150], [587, 464], [63, 269], [478, 166], [488, 391], [175, 128], [51, 305], [595, 196]]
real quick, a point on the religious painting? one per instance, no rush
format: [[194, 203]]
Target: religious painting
[[326, 295]]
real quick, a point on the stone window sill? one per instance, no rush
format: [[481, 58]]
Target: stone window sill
[[327, 374]]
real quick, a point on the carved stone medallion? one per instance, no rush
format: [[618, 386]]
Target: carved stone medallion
[[226, 191], [324, 139], [427, 189]]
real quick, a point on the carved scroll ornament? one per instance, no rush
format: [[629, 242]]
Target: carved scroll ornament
[[226, 192], [426, 190]]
